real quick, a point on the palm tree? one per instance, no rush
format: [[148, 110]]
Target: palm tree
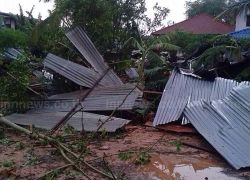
[[237, 8], [147, 48]]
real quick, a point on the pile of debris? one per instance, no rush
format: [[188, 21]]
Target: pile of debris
[[106, 92], [219, 110]]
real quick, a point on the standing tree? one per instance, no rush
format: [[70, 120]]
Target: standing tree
[[109, 23], [236, 8], [148, 48], [212, 7]]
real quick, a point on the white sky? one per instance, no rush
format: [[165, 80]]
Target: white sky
[[13, 7], [177, 8]]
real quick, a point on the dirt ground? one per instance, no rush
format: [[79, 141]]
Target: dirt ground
[[138, 152]]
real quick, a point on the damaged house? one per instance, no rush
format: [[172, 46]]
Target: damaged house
[[217, 107], [196, 95]]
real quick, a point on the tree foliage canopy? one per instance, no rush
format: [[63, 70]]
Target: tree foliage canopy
[[212, 7], [236, 8], [109, 23], [12, 38]]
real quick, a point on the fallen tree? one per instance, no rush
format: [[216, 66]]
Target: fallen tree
[[75, 160]]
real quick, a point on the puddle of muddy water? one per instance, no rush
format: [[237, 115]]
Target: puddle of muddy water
[[192, 169]]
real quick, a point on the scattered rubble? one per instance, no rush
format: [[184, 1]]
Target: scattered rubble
[[218, 109]]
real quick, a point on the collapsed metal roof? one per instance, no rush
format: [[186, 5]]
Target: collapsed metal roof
[[225, 124], [107, 91], [47, 120], [80, 75], [243, 33], [12, 53], [121, 97], [181, 89], [85, 46], [132, 73]]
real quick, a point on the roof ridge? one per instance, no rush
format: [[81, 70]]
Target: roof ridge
[[193, 17]]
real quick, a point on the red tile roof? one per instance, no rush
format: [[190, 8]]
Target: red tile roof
[[199, 24]]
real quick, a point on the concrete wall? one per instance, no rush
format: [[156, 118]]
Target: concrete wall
[[13, 24], [10, 22], [241, 20]]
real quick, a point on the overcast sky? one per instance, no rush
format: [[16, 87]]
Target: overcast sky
[[177, 8]]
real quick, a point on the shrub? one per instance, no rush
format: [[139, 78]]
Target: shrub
[[12, 38], [15, 90]]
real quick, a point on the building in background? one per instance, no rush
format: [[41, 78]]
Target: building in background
[[7, 20], [243, 19], [199, 24], [242, 25]]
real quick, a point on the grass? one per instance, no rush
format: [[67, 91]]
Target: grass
[[178, 145], [124, 156], [142, 158], [32, 159], [7, 163], [19, 146], [5, 141]]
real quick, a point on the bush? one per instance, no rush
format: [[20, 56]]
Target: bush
[[11, 89], [244, 43], [12, 38], [188, 41]]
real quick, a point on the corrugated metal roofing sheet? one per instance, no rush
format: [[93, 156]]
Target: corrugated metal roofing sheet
[[12, 53], [180, 90], [221, 88], [110, 98], [132, 73], [173, 101], [48, 120], [244, 33], [100, 99], [79, 74], [225, 124], [85, 46]]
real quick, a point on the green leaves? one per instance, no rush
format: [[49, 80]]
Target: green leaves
[[161, 46], [235, 9], [124, 156], [142, 158], [224, 40], [122, 65], [132, 42], [212, 7], [154, 60], [178, 145], [7, 163], [12, 38], [244, 75], [12, 90], [214, 55]]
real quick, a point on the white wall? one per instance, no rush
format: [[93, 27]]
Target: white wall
[[241, 20], [13, 24]]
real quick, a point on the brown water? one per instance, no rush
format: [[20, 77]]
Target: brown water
[[181, 168]]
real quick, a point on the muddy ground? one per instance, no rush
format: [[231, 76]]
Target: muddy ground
[[137, 152]]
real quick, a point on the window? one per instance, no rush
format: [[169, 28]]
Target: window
[[248, 21]]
